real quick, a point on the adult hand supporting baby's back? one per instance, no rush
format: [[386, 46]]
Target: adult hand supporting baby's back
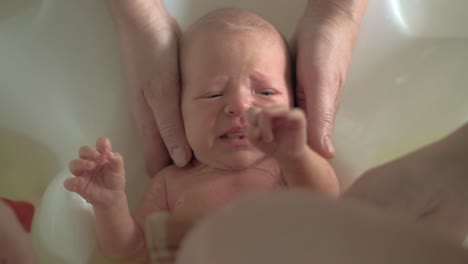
[[421, 191], [149, 43], [427, 186], [323, 45]]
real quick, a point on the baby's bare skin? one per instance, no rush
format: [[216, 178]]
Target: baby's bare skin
[[100, 179], [236, 105], [200, 188]]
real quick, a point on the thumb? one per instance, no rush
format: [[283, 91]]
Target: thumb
[[320, 126], [320, 108], [165, 105]]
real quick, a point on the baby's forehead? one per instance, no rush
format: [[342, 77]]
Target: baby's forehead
[[232, 23]]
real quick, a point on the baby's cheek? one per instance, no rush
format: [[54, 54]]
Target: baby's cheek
[[282, 100], [200, 143], [288, 100]]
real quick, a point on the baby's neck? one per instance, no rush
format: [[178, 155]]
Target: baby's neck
[[267, 166]]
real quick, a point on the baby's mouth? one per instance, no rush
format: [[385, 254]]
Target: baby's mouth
[[233, 136]]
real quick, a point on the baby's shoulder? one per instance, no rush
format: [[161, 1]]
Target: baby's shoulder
[[172, 171], [166, 170]]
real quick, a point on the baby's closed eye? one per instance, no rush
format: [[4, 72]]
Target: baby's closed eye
[[266, 92], [214, 95]]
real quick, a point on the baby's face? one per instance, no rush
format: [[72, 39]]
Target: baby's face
[[223, 75]]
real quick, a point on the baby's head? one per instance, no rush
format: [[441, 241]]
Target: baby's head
[[231, 60]]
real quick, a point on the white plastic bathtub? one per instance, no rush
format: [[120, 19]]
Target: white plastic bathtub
[[61, 87]]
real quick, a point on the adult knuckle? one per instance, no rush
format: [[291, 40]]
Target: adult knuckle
[[170, 131]]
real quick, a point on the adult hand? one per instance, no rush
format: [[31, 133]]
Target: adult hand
[[429, 185], [323, 45], [149, 43], [291, 226]]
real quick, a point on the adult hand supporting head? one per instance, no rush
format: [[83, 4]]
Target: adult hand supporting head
[[323, 44], [149, 42], [429, 185]]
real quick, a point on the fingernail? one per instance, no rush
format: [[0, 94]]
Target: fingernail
[[179, 156], [329, 148]]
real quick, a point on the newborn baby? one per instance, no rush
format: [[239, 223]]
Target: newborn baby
[[236, 105]]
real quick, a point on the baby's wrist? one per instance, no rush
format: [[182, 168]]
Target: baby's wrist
[[119, 200], [291, 156]]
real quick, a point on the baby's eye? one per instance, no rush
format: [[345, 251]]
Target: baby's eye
[[213, 95], [267, 92]]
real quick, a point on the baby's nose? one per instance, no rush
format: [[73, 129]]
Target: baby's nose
[[237, 105], [236, 110]]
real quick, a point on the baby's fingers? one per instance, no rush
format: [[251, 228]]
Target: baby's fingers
[[80, 166], [103, 145], [88, 153], [266, 128], [296, 119], [253, 130], [116, 163], [259, 125], [277, 113], [252, 116], [286, 118], [253, 134], [76, 185]]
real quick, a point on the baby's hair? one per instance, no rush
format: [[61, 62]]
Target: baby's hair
[[236, 19]]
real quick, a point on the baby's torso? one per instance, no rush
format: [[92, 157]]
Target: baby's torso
[[195, 189]]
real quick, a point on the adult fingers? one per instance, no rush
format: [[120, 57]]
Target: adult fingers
[[164, 100], [320, 108], [154, 150]]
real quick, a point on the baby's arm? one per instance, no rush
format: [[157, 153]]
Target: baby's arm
[[281, 132], [125, 232], [100, 179], [155, 198], [118, 233], [311, 170]]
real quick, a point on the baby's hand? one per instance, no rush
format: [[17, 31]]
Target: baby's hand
[[278, 131], [99, 174]]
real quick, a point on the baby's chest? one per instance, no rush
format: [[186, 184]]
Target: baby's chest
[[210, 192]]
